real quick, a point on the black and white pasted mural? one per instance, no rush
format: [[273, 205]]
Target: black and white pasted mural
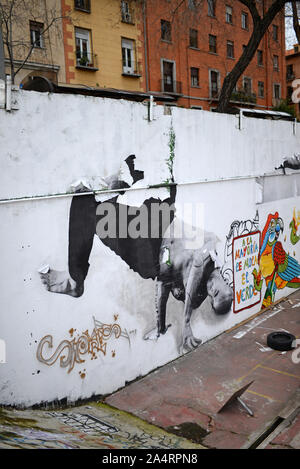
[[192, 275]]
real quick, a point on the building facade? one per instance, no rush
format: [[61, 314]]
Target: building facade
[[182, 50], [192, 48], [35, 46], [102, 42], [292, 74]]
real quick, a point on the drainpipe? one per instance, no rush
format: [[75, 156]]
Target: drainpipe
[[269, 93], [2, 66], [145, 45]]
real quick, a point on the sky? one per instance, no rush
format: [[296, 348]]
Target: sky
[[290, 38]]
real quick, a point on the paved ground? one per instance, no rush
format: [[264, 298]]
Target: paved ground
[[83, 427], [186, 395], [179, 405]]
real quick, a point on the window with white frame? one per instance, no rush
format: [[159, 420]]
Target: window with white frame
[[228, 14], [275, 62], [83, 47], [128, 56], [194, 77], [276, 91], [245, 20], [36, 34], [126, 12]]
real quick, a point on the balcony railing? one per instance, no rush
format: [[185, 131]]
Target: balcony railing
[[133, 72], [290, 76], [169, 86], [83, 5], [127, 16], [243, 96], [86, 60]]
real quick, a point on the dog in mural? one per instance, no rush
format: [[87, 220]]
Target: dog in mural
[[190, 275]]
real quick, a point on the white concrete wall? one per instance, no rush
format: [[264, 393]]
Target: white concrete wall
[[54, 140]]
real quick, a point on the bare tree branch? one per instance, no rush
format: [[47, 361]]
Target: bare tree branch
[[260, 26]]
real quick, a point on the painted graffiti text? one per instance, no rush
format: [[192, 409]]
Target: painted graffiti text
[[73, 351], [245, 257]]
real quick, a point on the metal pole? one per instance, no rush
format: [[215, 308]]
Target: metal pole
[[2, 65]]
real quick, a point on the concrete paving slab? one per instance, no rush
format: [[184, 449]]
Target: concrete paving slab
[[193, 388]]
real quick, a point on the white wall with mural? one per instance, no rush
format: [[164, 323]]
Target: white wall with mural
[[96, 288]]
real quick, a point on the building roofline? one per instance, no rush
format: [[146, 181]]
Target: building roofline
[[43, 84]]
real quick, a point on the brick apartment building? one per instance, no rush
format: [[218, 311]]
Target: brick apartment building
[[293, 73], [189, 51], [182, 50], [102, 44]]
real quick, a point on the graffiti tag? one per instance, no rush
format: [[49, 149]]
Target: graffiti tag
[[72, 351]]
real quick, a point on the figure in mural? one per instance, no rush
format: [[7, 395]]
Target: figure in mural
[[191, 275], [277, 267], [292, 162]]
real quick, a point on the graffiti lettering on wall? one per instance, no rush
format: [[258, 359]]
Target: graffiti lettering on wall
[[73, 351], [276, 266], [237, 228], [245, 251], [84, 422]]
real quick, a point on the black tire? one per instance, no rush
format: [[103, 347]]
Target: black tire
[[280, 340]]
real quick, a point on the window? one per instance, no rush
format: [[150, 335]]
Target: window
[[290, 72], [245, 20], [289, 93], [212, 43], [211, 4], [192, 4], [194, 38], [82, 5], [247, 85], [230, 49], [275, 32], [260, 58], [36, 34], [166, 30], [214, 83], [168, 73], [261, 89], [126, 12], [128, 56], [275, 62], [276, 91], [194, 77], [83, 48], [228, 14]]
